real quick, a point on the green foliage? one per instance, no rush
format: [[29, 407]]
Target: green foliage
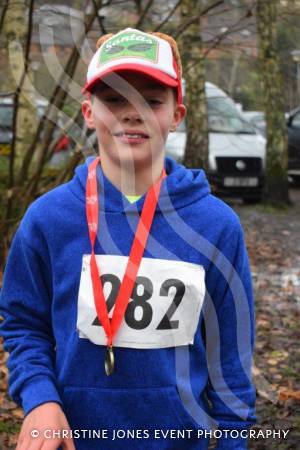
[[9, 427]]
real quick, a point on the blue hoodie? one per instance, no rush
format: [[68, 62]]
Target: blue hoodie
[[184, 350]]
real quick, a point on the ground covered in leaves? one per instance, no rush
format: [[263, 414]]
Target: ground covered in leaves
[[273, 242]]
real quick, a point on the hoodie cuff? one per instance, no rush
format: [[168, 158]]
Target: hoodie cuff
[[37, 391]]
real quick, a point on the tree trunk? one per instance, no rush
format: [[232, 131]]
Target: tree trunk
[[276, 183], [48, 121], [16, 30], [16, 23], [196, 152], [24, 184]]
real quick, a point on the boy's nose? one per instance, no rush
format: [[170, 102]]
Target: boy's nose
[[131, 115]]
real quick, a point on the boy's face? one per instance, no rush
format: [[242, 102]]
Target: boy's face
[[132, 115]]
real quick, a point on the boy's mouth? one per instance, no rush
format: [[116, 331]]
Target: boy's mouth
[[132, 136]]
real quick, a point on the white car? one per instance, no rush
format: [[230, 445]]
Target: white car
[[257, 119], [237, 152]]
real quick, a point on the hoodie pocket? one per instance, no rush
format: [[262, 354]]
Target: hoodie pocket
[[145, 409], [180, 411]]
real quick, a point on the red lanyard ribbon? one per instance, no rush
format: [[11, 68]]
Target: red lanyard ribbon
[[112, 325]]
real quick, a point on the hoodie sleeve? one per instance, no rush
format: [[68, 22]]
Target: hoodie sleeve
[[230, 337], [25, 306]]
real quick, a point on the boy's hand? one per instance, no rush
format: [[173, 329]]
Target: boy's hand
[[48, 416]]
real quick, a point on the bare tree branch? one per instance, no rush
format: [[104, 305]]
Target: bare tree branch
[[55, 102], [226, 33], [138, 6], [15, 110], [109, 2], [99, 18], [143, 14], [63, 131], [196, 17], [3, 14], [173, 10], [17, 94]]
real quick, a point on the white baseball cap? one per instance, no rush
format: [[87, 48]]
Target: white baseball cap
[[134, 50]]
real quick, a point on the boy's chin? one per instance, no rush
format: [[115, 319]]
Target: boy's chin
[[138, 157]]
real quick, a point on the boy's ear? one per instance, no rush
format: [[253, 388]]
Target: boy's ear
[[179, 114], [87, 112]]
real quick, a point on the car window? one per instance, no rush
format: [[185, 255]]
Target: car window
[[223, 117], [296, 121], [6, 116]]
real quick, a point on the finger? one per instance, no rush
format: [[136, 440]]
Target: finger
[[25, 439], [21, 438], [35, 444], [31, 444], [68, 444], [20, 442], [51, 444]]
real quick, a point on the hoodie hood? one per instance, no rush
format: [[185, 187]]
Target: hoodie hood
[[180, 188]]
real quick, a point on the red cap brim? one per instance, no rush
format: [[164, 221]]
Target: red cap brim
[[157, 75]]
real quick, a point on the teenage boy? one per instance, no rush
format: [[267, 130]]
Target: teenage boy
[[128, 319]]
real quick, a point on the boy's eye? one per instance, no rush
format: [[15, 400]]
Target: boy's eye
[[154, 102], [114, 99]]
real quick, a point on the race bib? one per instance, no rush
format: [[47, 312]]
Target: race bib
[[164, 307]]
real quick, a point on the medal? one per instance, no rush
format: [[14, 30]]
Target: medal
[[112, 325], [109, 363]]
